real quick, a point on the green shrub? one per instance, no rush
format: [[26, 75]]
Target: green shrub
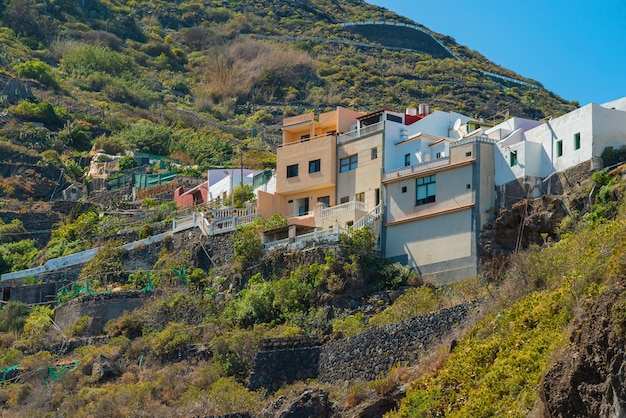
[[16, 256], [174, 336], [84, 59], [412, 303], [37, 325], [106, 266], [350, 325], [37, 70], [13, 316], [37, 112]]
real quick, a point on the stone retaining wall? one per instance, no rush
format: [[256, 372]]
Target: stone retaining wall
[[99, 308], [375, 351], [365, 356]]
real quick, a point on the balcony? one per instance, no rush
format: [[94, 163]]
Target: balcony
[[415, 168], [355, 135], [344, 207]]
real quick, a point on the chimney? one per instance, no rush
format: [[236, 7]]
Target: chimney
[[411, 111], [423, 109]]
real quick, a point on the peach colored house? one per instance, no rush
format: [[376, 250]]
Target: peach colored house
[[306, 165]]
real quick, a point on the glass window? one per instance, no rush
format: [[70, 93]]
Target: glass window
[[292, 170], [314, 166], [425, 190], [407, 160], [374, 153], [360, 197], [559, 148], [325, 200], [348, 163], [577, 140], [513, 158]]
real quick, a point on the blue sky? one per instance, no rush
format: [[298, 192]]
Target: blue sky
[[576, 49]]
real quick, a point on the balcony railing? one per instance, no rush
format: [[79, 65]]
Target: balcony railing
[[315, 238], [323, 136], [344, 207], [478, 138], [354, 135], [415, 168]]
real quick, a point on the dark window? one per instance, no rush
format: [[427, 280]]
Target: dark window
[[439, 155], [360, 197], [394, 118], [344, 200], [314, 166], [468, 186], [577, 140], [468, 154], [403, 189], [325, 200], [374, 153], [348, 163], [559, 148], [425, 190], [513, 158], [292, 170], [407, 159], [305, 137]]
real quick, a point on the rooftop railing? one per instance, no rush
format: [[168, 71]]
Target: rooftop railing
[[356, 134], [416, 168]]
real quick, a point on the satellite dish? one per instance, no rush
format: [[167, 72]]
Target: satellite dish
[[457, 124]]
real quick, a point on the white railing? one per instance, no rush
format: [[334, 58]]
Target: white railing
[[478, 138], [369, 218], [230, 212], [187, 222], [312, 239], [217, 226], [416, 168], [353, 135], [344, 207]]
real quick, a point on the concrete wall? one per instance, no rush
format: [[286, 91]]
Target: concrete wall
[[301, 153], [100, 308], [366, 178]]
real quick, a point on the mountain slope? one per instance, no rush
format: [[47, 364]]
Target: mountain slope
[[228, 66]]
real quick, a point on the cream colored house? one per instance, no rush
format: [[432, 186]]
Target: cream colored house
[[434, 210]]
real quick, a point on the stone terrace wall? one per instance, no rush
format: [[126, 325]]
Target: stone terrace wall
[[376, 350], [100, 308], [285, 360], [365, 356]]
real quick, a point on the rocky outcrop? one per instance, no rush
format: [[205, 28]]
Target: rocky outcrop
[[311, 403], [588, 379], [104, 369]]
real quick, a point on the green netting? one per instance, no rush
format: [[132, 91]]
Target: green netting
[[55, 373], [6, 372], [148, 287], [76, 290], [119, 181], [144, 181], [183, 276]]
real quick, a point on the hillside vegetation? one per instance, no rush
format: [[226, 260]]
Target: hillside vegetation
[[206, 83], [179, 77]]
